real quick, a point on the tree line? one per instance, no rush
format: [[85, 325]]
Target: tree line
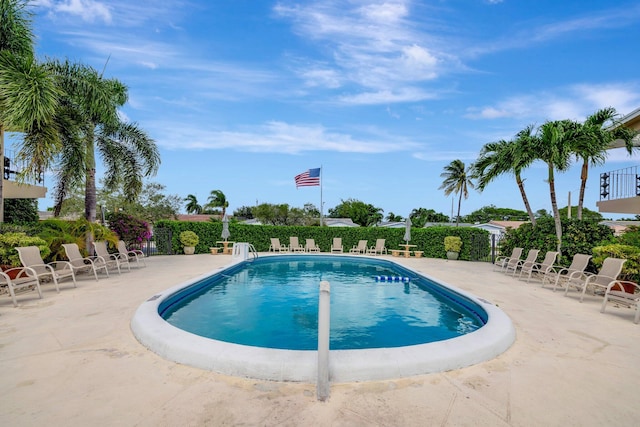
[[67, 116], [556, 143]]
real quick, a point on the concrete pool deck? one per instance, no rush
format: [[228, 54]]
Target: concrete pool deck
[[70, 359]]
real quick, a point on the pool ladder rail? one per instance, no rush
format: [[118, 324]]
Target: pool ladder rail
[[244, 251]]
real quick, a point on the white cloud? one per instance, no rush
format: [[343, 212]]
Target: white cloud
[[572, 102], [376, 49], [277, 137], [88, 10]]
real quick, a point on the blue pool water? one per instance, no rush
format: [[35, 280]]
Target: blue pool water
[[273, 302]]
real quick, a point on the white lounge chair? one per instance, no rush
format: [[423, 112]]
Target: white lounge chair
[[502, 262], [609, 272], [23, 280], [276, 246], [310, 246], [379, 248], [111, 260], [82, 264], [539, 269], [336, 245], [131, 254], [54, 271], [294, 244], [360, 248], [531, 258], [575, 271], [617, 294]]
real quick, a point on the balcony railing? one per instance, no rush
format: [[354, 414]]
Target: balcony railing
[[620, 184], [12, 168]]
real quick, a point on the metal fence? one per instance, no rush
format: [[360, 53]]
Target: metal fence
[[485, 248], [159, 244]]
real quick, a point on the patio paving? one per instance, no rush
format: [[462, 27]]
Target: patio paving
[[70, 359]]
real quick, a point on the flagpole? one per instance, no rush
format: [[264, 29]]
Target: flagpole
[[321, 195]]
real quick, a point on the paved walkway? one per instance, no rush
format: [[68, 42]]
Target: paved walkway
[[70, 360]]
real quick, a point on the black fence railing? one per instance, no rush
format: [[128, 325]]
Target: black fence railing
[[620, 184]]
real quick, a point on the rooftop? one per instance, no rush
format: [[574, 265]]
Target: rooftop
[[71, 359]]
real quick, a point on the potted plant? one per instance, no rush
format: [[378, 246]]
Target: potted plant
[[452, 244], [10, 241], [189, 240]]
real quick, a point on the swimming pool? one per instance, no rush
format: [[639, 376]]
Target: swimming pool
[[181, 346], [273, 302]]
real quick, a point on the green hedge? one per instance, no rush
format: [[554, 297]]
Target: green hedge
[[429, 240]]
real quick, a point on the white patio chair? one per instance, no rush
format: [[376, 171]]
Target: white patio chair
[[539, 269], [54, 271], [131, 254], [336, 245], [379, 248], [111, 260], [575, 271], [82, 264], [629, 297], [531, 258], [310, 246], [360, 248], [294, 244], [609, 272], [502, 262], [24, 279]]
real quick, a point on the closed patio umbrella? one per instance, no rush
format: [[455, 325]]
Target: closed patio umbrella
[[225, 227], [407, 233]]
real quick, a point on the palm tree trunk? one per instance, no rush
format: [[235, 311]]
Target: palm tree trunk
[[554, 206], [583, 184], [459, 204], [527, 206]]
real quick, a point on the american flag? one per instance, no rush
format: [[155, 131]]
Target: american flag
[[308, 178]]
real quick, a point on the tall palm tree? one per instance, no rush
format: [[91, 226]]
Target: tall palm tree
[[192, 205], [552, 145], [497, 158], [217, 199], [90, 128], [28, 93], [457, 179], [595, 137]]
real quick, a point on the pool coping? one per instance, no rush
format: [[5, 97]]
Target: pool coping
[[183, 347]]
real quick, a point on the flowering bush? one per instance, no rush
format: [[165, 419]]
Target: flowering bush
[[130, 229]]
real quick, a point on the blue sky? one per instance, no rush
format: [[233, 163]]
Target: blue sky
[[243, 95]]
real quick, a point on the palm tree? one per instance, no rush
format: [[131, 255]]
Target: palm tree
[[552, 145], [28, 93], [192, 205], [497, 158], [457, 179], [217, 199], [594, 140], [90, 127]]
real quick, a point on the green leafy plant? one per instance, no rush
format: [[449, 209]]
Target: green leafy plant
[[631, 267], [9, 242], [452, 244], [189, 238]]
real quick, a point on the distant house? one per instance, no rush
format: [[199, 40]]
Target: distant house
[[447, 224], [499, 228], [391, 224], [339, 222], [620, 227]]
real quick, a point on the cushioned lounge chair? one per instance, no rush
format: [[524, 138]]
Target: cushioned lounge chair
[[515, 266], [609, 272], [23, 280], [82, 264], [336, 245], [539, 269], [575, 271], [131, 254], [54, 271], [310, 246], [360, 248], [379, 248], [625, 293], [111, 260], [503, 261], [276, 246], [294, 244]]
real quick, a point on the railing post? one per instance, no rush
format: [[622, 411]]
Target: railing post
[[323, 340]]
